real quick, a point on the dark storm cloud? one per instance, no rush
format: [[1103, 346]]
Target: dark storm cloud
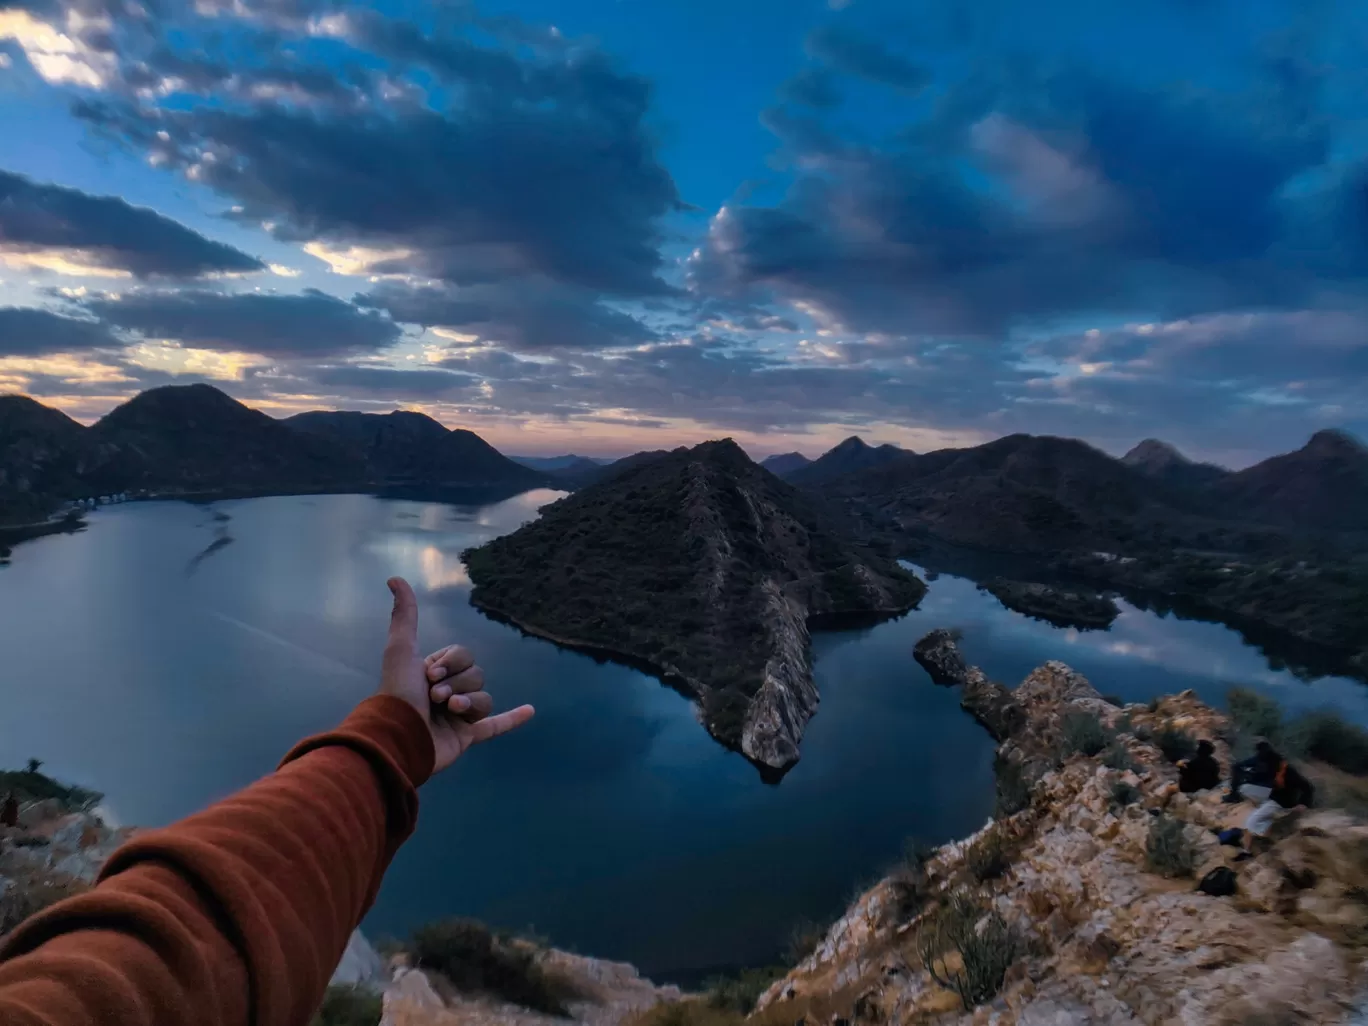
[[855, 54], [543, 167], [28, 331], [107, 232], [385, 381], [812, 87], [309, 324], [1085, 197], [534, 315]]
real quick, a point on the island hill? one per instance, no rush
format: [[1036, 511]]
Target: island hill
[[706, 569]]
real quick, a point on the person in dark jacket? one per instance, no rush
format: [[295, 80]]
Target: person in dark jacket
[[1271, 781], [1200, 772], [9, 811]]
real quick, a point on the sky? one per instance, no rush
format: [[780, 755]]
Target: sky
[[611, 225]]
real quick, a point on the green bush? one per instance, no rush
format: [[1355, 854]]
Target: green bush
[[740, 992], [1253, 714], [1123, 794], [986, 944], [348, 1006], [476, 960], [1326, 736], [1118, 757], [31, 786], [1169, 850], [1175, 743], [1082, 732], [1013, 789]]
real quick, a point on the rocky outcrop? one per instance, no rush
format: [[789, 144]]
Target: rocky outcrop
[[1081, 609], [1104, 939], [940, 657], [987, 701], [609, 993]]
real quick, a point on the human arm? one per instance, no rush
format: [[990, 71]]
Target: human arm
[[239, 913]]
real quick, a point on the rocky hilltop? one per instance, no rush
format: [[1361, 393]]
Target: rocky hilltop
[[1079, 905], [707, 569]]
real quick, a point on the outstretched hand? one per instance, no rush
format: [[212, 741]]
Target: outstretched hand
[[446, 688]]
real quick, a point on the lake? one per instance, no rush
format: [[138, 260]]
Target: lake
[[172, 653]]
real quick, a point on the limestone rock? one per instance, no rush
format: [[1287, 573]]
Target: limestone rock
[[1106, 941], [361, 965]]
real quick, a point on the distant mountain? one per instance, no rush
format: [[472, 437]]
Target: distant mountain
[[405, 448], [850, 456], [46, 457], [583, 475], [705, 567], [1321, 486], [557, 463], [1163, 462], [194, 438], [1022, 493], [785, 463]]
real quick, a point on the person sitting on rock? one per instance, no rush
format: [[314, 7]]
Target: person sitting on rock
[[9, 811], [1200, 772], [1271, 781], [239, 913]]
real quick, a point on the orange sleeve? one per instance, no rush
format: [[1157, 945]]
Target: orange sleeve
[[240, 913]]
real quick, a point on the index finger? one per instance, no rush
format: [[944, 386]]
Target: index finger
[[403, 630], [493, 726]]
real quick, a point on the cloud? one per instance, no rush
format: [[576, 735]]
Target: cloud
[[393, 383], [855, 54], [477, 151], [29, 331], [531, 316], [1034, 199], [811, 87], [64, 229], [311, 323]]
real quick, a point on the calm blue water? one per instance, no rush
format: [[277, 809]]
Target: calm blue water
[[612, 823]]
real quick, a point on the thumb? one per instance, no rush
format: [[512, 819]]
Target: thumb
[[403, 632]]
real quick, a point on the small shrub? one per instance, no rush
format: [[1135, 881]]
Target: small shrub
[[1118, 757], [986, 944], [740, 992], [1013, 789], [1153, 704], [1113, 700], [1253, 714], [474, 959], [1326, 736], [907, 880], [348, 1006], [1082, 732], [802, 941], [1169, 850], [1175, 743], [987, 857], [1124, 724], [1123, 794]]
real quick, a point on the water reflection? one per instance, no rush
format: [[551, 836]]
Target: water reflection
[[612, 823]]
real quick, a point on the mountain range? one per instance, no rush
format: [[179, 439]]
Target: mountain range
[[196, 440]]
